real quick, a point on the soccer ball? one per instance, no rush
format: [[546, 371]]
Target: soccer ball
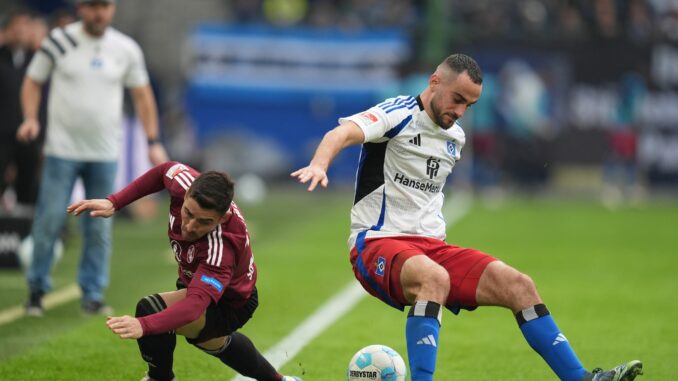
[[25, 252], [376, 363]]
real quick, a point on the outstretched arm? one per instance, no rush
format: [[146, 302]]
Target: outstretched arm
[[98, 208], [150, 182], [174, 317], [346, 134]]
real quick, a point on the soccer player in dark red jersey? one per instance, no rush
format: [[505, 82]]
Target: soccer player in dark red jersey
[[216, 293]]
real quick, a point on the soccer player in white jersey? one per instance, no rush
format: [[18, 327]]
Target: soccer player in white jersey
[[88, 63], [409, 147]]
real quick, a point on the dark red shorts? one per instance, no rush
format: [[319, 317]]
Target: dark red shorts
[[377, 263]]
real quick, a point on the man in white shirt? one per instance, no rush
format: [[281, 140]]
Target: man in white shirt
[[88, 63], [398, 250]]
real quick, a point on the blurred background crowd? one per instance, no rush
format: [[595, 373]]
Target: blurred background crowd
[[580, 96]]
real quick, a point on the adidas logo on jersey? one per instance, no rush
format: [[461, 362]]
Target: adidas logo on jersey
[[559, 339], [428, 340], [416, 140]]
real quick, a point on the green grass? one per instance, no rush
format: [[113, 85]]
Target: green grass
[[607, 277]]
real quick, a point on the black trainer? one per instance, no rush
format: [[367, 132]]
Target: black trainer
[[96, 307], [34, 304]]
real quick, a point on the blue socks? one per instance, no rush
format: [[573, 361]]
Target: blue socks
[[421, 332], [543, 335]]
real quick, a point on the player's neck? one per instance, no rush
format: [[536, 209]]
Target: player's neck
[[425, 97]]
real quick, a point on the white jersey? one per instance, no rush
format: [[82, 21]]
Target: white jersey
[[404, 163], [86, 93]]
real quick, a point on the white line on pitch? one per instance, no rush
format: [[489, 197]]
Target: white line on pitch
[[313, 326], [457, 207], [51, 300], [342, 302]]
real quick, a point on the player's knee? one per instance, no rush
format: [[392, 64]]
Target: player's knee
[[522, 288], [149, 305], [213, 346], [438, 278], [433, 283]]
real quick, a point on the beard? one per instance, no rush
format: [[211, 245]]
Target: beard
[[96, 28], [438, 117]]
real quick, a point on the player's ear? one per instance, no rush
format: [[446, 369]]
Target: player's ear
[[433, 80]]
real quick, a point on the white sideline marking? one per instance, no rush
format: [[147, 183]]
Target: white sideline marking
[[313, 326], [51, 300], [458, 206]]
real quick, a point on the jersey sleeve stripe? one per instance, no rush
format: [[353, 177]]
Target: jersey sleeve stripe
[[410, 104], [189, 176], [56, 44], [188, 179], [221, 246], [181, 182], [215, 246], [70, 39], [209, 248], [48, 54], [385, 105], [396, 130]]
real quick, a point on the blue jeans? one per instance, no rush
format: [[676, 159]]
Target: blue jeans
[[58, 179]]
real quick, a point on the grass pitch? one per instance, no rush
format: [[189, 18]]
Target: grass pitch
[[607, 277]]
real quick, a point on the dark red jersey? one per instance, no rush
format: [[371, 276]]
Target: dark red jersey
[[218, 266]]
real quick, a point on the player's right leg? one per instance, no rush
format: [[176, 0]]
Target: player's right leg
[[426, 286], [395, 270], [158, 350], [58, 178]]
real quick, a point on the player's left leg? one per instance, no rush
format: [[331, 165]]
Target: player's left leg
[[239, 353], [218, 338], [502, 285]]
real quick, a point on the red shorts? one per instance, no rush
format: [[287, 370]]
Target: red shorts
[[377, 263]]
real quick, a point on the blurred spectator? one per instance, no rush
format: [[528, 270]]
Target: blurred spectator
[[533, 16], [640, 26], [15, 55], [606, 18], [522, 103], [38, 30], [621, 180], [84, 121], [571, 22], [484, 140]]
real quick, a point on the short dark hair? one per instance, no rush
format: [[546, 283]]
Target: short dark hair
[[462, 63], [212, 190]]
